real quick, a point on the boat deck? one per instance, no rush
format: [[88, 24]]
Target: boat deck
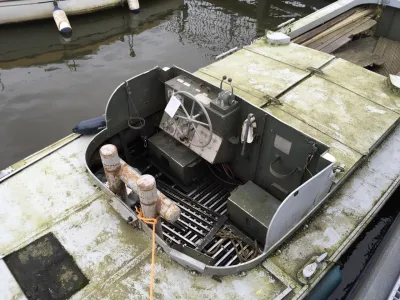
[[116, 258], [55, 194], [362, 35], [343, 105]]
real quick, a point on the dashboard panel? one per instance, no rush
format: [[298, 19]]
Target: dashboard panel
[[176, 126]]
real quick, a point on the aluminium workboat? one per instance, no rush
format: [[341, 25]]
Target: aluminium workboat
[[271, 175]]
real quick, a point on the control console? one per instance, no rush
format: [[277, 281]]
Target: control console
[[201, 118], [176, 126]]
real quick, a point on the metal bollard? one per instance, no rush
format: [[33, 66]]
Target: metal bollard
[[112, 167], [129, 175], [119, 173], [167, 208], [148, 195]]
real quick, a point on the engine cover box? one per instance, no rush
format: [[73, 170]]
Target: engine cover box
[[251, 209], [175, 158]]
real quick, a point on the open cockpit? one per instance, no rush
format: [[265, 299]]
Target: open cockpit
[[242, 179]]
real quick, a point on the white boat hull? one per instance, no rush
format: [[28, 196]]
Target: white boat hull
[[28, 10]]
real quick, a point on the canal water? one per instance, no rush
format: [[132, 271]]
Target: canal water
[[47, 86]]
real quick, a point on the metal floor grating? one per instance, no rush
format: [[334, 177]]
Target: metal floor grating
[[203, 231], [203, 226]]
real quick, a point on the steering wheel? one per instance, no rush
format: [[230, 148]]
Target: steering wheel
[[191, 121]]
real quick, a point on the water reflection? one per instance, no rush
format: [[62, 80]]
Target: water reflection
[[72, 66], [216, 25], [357, 257], [40, 44], [213, 27], [51, 85], [2, 87], [130, 43]]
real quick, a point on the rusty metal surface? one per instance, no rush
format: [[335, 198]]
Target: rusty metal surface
[[164, 206], [147, 192], [146, 182], [112, 168], [119, 173]]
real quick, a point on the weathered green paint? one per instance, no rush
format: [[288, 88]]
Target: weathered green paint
[[293, 54], [329, 107], [100, 242], [341, 152], [338, 112], [334, 108], [281, 275], [38, 155], [346, 211], [175, 282], [255, 73], [365, 83], [42, 195], [116, 257]]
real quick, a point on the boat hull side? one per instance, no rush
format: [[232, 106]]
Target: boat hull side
[[23, 11]]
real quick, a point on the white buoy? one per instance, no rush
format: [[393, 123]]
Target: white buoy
[[134, 6], [277, 38], [62, 22]]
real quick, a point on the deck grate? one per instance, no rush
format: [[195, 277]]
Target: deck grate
[[203, 230]]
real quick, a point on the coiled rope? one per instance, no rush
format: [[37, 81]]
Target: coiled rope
[[133, 120]]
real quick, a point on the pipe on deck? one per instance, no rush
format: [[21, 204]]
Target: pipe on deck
[[119, 174]]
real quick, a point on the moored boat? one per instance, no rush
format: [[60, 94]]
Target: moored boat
[[262, 180], [15, 11], [37, 44], [361, 32]]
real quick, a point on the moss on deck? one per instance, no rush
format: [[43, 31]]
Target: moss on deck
[[344, 106]]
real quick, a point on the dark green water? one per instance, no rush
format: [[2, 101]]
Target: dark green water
[[47, 87]]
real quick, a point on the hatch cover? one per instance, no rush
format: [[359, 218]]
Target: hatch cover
[[45, 270]]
